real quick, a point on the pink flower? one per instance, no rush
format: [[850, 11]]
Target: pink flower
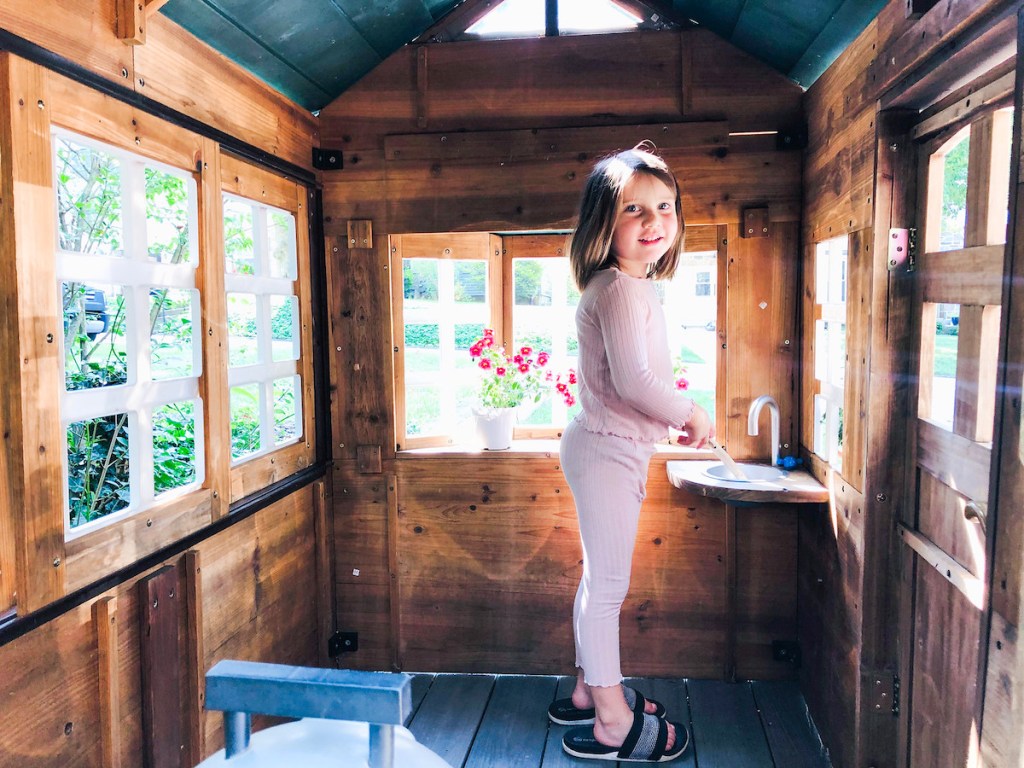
[[542, 358], [475, 350], [487, 341], [572, 377], [485, 363], [488, 332], [569, 399], [561, 387], [517, 359], [499, 371], [524, 368], [525, 351], [682, 383]]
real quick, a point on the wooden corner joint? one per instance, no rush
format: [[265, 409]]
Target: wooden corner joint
[[131, 19]]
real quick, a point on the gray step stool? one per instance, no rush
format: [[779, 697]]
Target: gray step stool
[[350, 719]]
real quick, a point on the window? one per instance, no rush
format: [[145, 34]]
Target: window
[[126, 269], [521, 18], [966, 213], [703, 285], [263, 327], [448, 287], [830, 348]]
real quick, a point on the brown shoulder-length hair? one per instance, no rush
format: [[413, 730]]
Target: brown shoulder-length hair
[[591, 241]]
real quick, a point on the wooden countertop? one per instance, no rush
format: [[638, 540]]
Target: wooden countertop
[[794, 487]]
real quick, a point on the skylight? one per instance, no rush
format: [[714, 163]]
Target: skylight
[[522, 18]]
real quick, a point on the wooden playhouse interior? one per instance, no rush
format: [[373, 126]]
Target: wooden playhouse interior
[[900, 597]]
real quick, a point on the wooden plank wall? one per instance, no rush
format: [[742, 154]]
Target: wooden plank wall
[[173, 68], [251, 581], [485, 565], [466, 562], [849, 570], [72, 688]]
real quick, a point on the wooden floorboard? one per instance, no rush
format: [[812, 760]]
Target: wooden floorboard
[[514, 728], [792, 737], [447, 720], [420, 685], [554, 755], [726, 728], [500, 721]]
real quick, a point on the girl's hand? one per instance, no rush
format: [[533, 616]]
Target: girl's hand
[[697, 430]]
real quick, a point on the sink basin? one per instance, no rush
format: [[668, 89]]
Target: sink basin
[[756, 473]]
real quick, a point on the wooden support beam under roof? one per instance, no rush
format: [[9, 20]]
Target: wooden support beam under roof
[[132, 16]]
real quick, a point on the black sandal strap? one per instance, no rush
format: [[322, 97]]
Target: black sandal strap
[[646, 739]]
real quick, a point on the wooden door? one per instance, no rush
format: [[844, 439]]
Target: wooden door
[[959, 259]]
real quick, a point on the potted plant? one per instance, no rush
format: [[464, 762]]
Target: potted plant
[[507, 382]]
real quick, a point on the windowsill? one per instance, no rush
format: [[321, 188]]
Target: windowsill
[[540, 448]]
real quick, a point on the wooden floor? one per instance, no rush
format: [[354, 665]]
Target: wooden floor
[[500, 721]]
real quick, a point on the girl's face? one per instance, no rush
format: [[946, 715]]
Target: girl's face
[[646, 224]]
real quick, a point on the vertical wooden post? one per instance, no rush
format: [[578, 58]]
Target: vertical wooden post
[[730, 593], [395, 596], [304, 290], [104, 613], [33, 486], [213, 386], [159, 622], [195, 652], [323, 541]]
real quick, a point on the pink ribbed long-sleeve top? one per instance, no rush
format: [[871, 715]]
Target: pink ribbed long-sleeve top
[[625, 369]]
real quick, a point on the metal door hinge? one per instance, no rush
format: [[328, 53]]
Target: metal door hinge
[[902, 249], [885, 694]]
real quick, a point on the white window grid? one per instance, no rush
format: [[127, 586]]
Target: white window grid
[[830, 348], [265, 287], [140, 396], [560, 319], [447, 313]]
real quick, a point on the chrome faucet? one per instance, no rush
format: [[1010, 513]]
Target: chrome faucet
[[755, 413]]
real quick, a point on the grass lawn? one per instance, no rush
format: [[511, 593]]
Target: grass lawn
[[945, 356]]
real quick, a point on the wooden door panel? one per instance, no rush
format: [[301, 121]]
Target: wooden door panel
[[958, 293], [941, 519], [944, 677]]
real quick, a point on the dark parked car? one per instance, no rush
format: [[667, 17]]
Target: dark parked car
[[97, 320]]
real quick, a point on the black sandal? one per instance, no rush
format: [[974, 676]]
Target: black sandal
[[562, 711], [645, 742]]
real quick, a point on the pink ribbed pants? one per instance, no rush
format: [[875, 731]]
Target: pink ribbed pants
[[608, 479]]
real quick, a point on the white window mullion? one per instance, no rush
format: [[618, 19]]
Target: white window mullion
[[140, 456], [267, 415], [446, 333], [260, 243]]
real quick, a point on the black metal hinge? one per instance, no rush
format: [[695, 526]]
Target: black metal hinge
[[342, 642], [786, 650], [327, 159], [885, 694]]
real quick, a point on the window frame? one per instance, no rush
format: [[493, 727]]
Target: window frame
[[242, 179], [455, 246], [833, 396], [40, 563], [502, 251]]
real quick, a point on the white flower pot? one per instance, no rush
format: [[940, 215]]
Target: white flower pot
[[494, 427]]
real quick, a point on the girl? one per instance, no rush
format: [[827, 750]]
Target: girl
[[630, 232]]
